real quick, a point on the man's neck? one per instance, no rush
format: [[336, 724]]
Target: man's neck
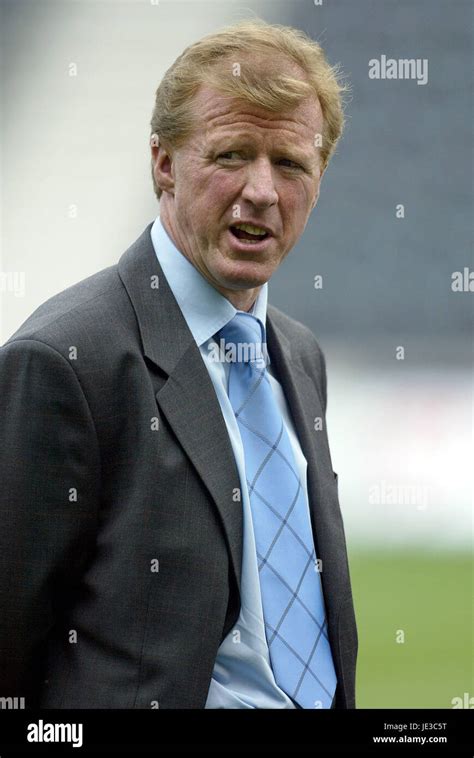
[[238, 298]]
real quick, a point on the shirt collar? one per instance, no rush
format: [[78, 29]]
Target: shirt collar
[[204, 308]]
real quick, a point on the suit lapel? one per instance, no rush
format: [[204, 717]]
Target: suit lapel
[[187, 398], [305, 406]]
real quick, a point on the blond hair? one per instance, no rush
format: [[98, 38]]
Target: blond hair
[[173, 119]]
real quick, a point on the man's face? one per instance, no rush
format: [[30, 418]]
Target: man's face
[[242, 164]]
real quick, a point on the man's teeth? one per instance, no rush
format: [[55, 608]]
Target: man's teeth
[[251, 229]]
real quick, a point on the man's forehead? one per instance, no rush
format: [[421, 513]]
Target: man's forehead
[[218, 112]]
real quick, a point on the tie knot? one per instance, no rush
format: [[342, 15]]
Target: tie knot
[[240, 340]]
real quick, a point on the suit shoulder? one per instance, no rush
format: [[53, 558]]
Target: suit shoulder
[[69, 312]]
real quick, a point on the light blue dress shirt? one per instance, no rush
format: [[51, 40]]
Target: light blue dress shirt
[[242, 676]]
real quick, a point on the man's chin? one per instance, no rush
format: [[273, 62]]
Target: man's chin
[[240, 275]]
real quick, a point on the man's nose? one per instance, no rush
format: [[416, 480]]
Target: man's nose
[[259, 186]]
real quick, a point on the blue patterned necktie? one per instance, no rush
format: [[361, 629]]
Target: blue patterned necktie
[[290, 584]]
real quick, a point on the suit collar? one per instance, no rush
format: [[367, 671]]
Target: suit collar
[[165, 333], [163, 329], [205, 309]]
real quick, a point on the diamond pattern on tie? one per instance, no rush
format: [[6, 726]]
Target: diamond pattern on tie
[[291, 590]]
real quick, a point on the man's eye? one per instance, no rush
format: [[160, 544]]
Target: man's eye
[[231, 154], [227, 155], [293, 164]]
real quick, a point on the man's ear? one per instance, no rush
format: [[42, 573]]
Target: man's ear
[[162, 161]]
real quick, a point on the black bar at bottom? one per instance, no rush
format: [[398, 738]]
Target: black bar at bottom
[[382, 732]]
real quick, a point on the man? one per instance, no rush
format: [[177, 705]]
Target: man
[[171, 533]]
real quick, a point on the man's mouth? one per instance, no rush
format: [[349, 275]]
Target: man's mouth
[[252, 234]]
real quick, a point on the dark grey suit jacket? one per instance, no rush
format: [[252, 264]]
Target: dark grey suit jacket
[[120, 538]]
